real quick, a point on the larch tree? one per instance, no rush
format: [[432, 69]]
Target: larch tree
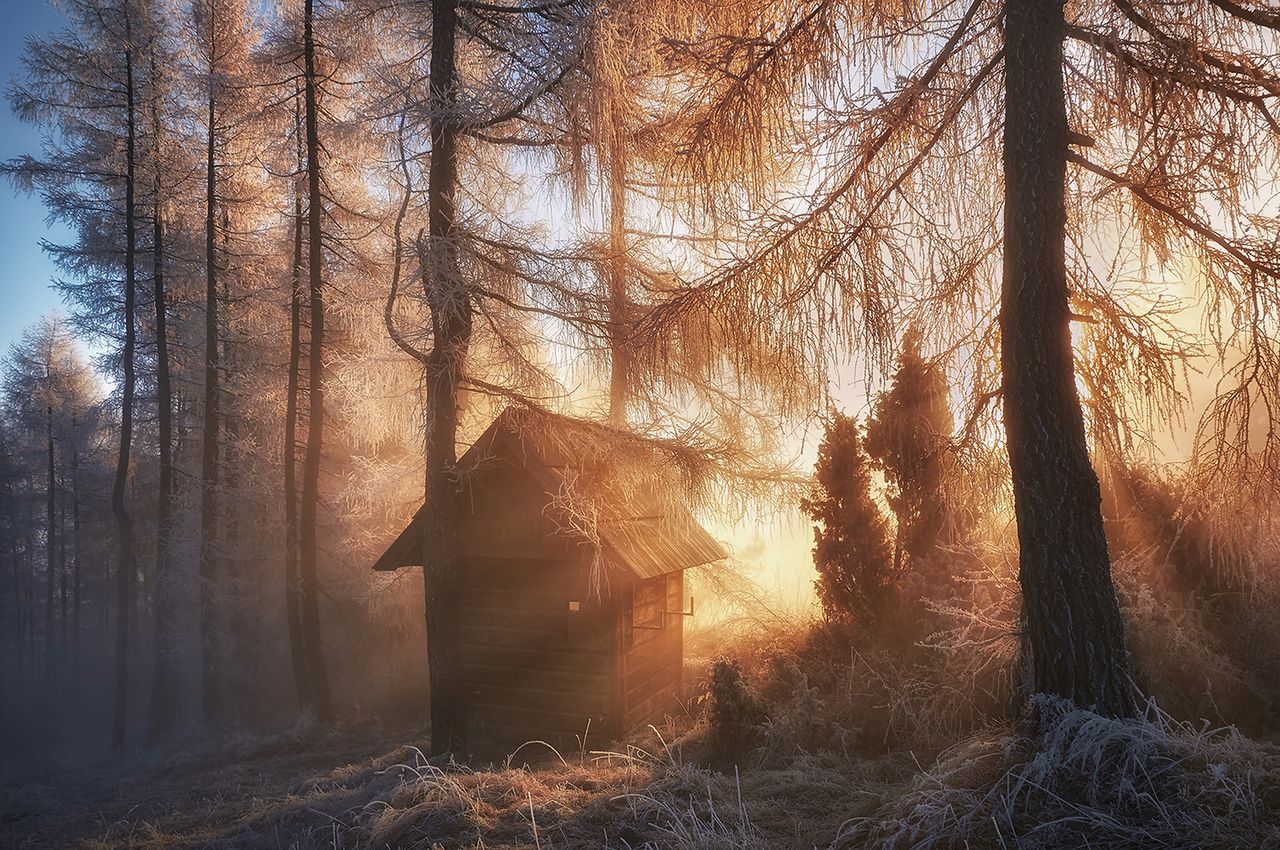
[[909, 213], [208, 29], [326, 143], [297, 300], [500, 88], [491, 73], [47, 392], [164, 676], [86, 83], [309, 498], [221, 36]]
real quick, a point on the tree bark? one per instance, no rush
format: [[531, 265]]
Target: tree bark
[[451, 336], [210, 583], [164, 690], [124, 522], [317, 675], [237, 666], [1074, 636], [292, 579]]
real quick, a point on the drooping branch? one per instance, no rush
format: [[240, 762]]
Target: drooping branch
[[1185, 220]]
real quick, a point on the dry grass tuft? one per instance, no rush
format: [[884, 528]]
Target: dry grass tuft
[[1087, 781]]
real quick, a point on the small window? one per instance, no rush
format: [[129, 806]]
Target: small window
[[575, 605]]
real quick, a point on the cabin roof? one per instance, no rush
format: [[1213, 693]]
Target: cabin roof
[[641, 525]]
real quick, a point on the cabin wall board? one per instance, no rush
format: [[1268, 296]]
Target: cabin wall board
[[530, 664], [652, 658]]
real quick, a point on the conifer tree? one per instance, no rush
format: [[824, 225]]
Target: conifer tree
[[909, 437], [856, 578]]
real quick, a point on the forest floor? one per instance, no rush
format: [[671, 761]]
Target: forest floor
[[268, 788], [836, 751], [368, 785]]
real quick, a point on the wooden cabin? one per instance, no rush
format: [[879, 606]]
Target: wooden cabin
[[564, 622]]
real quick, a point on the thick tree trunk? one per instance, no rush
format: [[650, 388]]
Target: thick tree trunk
[[164, 688], [308, 551], [1074, 636], [292, 579], [451, 336], [124, 523]]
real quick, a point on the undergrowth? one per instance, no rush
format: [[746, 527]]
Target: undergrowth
[[1087, 781]]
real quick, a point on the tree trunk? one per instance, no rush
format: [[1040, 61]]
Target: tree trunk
[[1074, 636], [51, 531], [451, 336], [17, 600], [308, 514], [619, 357], [29, 558], [210, 583], [124, 523], [292, 580], [237, 676], [75, 551], [19, 622], [64, 622], [164, 688]]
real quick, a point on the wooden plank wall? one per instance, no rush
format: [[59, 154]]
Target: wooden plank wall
[[534, 669], [652, 659]]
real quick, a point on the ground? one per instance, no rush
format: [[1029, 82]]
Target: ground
[[368, 785], [797, 743]]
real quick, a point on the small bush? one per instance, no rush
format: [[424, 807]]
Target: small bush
[[735, 716]]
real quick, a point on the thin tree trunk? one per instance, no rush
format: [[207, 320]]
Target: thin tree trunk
[[51, 531], [210, 581], [237, 676], [124, 523], [451, 336], [164, 689], [1074, 636], [29, 557], [20, 635], [64, 622], [75, 551], [309, 508], [292, 580], [619, 357]]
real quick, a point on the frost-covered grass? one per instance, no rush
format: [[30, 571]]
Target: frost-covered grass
[[817, 739], [1087, 781], [1083, 781]]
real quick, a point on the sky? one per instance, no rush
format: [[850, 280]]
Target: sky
[[25, 270]]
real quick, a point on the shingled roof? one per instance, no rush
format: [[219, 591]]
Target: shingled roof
[[642, 532]]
